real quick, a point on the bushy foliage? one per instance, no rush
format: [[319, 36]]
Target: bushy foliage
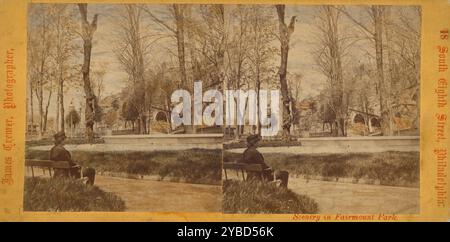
[[45, 194], [261, 197]]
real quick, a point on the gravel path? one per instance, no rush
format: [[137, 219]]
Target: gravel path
[[161, 196], [348, 198]]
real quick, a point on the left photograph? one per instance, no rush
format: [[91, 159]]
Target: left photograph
[[99, 84]]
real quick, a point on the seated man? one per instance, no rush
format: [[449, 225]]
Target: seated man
[[253, 156], [59, 153]]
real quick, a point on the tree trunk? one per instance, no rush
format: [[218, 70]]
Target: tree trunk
[[337, 83], [58, 62], [179, 19], [61, 102], [134, 39], [46, 108], [258, 101], [31, 109], [392, 83], [41, 110], [58, 126], [284, 41], [143, 125], [88, 30], [386, 128], [40, 84]]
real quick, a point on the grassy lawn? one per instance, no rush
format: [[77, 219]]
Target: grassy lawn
[[193, 166], [389, 168], [43, 194], [260, 197]]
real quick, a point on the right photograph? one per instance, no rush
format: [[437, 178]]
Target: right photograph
[[347, 140]]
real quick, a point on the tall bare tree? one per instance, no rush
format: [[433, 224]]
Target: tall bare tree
[[375, 32], [386, 115], [178, 11], [295, 85], [261, 51], [88, 29], [39, 54], [402, 35], [237, 53], [30, 75], [212, 38], [329, 59], [97, 80], [131, 55], [285, 32], [64, 27]]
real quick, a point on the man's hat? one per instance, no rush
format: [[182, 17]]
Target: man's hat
[[253, 138], [59, 135]]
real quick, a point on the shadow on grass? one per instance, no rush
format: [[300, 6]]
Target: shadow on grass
[[58, 195], [259, 197]]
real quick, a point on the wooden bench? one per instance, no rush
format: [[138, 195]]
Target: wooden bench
[[242, 168], [47, 165]]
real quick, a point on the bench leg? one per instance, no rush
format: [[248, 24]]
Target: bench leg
[[225, 170], [32, 172], [50, 171]]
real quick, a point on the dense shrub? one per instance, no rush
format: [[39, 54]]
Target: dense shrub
[[261, 197], [44, 194]]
